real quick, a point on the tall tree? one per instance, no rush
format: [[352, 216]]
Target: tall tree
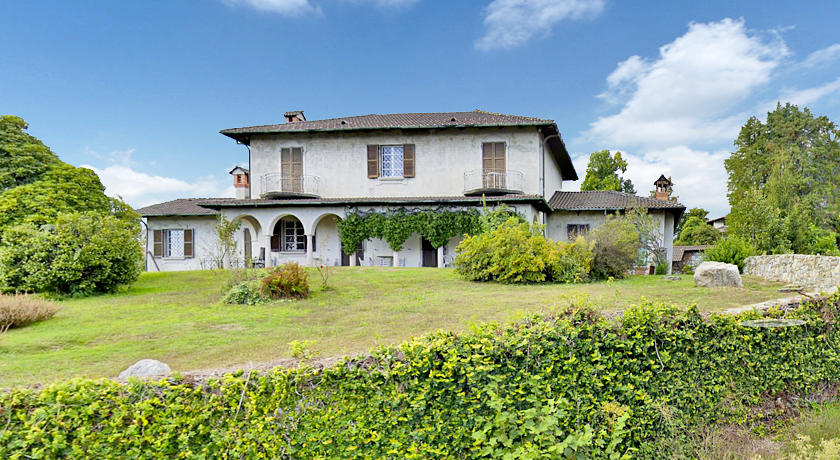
[[700, 213], [23, 158], [782, 180], [602, 173]]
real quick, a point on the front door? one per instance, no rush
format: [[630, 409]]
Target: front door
[[430, 254], [493, 164]]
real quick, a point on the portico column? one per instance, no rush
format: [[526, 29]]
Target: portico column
[[267, 251], [396, 259], [353, 259], [441, 262], [309, 256]]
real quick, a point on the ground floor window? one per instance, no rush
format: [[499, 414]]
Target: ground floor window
[[174, 243], [575, 230]]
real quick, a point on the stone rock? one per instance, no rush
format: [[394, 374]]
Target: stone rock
[[146, 368], [717, 274], [671, 278]]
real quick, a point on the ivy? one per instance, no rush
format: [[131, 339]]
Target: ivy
[[569, 385], [395, 226]]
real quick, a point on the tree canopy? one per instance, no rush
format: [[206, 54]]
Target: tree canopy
[[782, 182], [57, 217], [23, 158], [602, 173], [697, 231]]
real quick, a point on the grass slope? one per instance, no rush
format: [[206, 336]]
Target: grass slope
[[177, 318]]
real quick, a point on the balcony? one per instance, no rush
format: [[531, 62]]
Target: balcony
[[492, 182], [277, 185]]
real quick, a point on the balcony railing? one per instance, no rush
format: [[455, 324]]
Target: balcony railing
[[492, 181], [277, 185]]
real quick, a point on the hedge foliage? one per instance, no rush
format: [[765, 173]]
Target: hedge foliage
[[516, 252], [571, 385]]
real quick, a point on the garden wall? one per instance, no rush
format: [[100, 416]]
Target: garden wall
[[804, 270]]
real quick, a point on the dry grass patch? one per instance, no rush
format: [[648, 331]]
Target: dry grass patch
[[21, 310]]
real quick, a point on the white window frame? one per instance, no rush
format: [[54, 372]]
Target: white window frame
[[167, 243], [293, 238], [396, 171]]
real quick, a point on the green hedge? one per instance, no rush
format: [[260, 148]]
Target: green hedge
[[564, 386]]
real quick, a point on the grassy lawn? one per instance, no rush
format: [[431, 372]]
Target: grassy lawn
[[177, 318]]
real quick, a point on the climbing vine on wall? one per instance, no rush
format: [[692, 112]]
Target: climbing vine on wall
[[396, 225]]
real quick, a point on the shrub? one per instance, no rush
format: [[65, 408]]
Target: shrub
[[21, 310], [287, 281], [732, 250], [246, 293], [616, 248], [570, 262], [82, 254], [514, 252]]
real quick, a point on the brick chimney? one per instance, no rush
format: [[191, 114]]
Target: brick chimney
[[663, 188], [295, 116], [241, 183]]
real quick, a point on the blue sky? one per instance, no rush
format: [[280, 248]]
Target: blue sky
[[138, 91]]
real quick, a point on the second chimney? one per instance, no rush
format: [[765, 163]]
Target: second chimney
[[295, 116]]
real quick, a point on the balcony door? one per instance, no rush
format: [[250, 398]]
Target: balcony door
[[493, 164], [291, 169]]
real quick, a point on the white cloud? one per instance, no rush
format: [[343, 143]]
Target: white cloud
[[810, 95], [291, 8], [140, 189], [688, 93], [699, 176], [823, 56], [512, 23], [387, 3]]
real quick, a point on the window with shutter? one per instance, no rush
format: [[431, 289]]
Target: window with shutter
[[408, 160], [493, 164], [188, 243], [174, 243], [373, 161], [392, 161], [157, 243]]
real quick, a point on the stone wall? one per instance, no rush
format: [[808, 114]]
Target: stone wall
[[803, 270]]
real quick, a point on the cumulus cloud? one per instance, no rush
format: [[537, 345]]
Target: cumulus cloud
[[699, 176], [823, 56], [688, 92], [810, 95], [140, 189], [290, 8], [511, 23]]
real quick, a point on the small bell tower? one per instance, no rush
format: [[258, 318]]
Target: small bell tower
[[663, 188], [241, 183]]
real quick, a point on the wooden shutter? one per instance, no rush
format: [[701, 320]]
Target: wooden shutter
[[373, 161], [408, 160], [157, 243], [188, 242]]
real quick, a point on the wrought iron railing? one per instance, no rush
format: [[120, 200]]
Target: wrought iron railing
[[493, 181], [278, 185]]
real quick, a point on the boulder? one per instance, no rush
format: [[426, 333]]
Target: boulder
[[717, 274], [146, 368]]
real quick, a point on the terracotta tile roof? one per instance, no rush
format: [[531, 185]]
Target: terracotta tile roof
[[180, 207], [536, 200], [476, 118], [395, 120], [209, 206], [679, 251], [596, 200]]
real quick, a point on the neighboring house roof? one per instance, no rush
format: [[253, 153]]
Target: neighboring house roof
[[535, 200], [180, 207], [605, 200], [407, 121], [710, 222], [679, 251]]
